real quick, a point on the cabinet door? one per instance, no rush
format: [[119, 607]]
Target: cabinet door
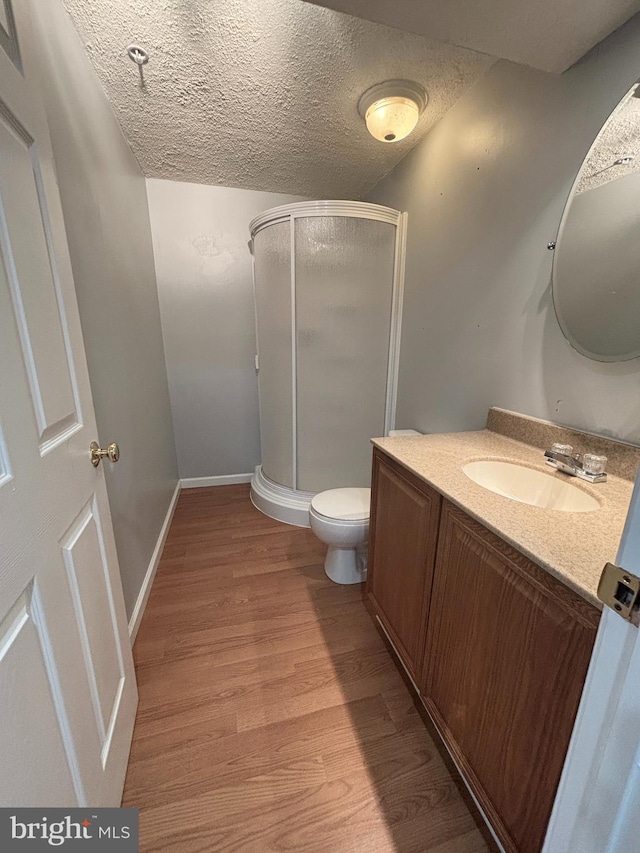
[[509, 648], [402, 547]]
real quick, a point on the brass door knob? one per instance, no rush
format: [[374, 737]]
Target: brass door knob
[[112, 453]]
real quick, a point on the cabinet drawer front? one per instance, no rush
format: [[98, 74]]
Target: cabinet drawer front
[[404, 529], [508, 648]]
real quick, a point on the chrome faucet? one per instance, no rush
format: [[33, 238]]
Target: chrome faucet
[[571, 464]]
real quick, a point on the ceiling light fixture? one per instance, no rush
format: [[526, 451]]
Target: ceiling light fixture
[[391, 109]]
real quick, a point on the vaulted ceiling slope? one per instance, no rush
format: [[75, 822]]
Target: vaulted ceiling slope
[[262, 94], [547, 34]]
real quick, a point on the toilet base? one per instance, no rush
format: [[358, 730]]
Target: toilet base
[[346, 565]]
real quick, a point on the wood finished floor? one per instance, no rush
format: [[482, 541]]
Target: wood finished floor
[[272, 716]]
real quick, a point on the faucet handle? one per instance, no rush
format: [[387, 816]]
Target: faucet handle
[[594, 464], [565, 449]]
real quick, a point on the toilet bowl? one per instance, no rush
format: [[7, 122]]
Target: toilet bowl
[[340, 519]]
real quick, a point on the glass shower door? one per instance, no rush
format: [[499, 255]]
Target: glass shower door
[[343, 296], [272, 278]]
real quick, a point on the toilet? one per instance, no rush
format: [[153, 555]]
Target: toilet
[[340, 519]]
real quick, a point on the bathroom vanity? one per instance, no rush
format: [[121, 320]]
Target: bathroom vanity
[[490, 605]]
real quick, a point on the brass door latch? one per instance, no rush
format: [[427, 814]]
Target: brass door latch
[[620, 590], [112, 453]]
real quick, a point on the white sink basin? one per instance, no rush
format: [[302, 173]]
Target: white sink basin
[[529, 486]]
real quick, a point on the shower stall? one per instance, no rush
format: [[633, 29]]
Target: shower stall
[[328, 282]]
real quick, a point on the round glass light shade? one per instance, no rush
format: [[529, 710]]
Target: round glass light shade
[[391, 119]]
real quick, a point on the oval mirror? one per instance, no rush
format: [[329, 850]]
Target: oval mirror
[[596, 266]]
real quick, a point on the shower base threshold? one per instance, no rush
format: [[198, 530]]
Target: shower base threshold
[[280, 502]]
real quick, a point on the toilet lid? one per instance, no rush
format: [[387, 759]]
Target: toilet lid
[[350, 504]]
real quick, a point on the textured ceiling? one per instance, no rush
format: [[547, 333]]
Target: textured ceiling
[[546, 34], [262, 94], [620, 137]]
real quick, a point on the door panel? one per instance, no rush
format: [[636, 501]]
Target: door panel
[[344, 287], [272, 281], [508, 650], [27, 704], [37, 302], [8, 35], [83, 549], [67, 686], [402, 547]]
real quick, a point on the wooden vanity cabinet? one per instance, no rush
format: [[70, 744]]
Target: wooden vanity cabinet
[[405, 514], [508, 648], [498, 647]]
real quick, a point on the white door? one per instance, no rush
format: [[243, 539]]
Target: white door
[[67, 687], [597, 809]]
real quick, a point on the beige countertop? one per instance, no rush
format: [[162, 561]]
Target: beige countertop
[[573, 546]]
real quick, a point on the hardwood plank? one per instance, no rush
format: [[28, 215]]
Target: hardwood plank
[[156, 738], [272, 716], [337, 815], [185, 764], [320, 684]]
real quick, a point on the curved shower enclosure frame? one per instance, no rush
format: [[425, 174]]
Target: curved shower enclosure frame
[[304, 338]]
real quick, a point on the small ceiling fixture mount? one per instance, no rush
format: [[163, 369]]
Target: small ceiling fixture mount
[[391, 109], [140, 56], [137, 54]]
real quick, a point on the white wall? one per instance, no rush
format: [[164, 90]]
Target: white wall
[[106, 216], [203, 264], [485, 192]]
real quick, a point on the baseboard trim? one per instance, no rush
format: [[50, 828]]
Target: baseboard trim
[[224, 480], [145, 589]]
